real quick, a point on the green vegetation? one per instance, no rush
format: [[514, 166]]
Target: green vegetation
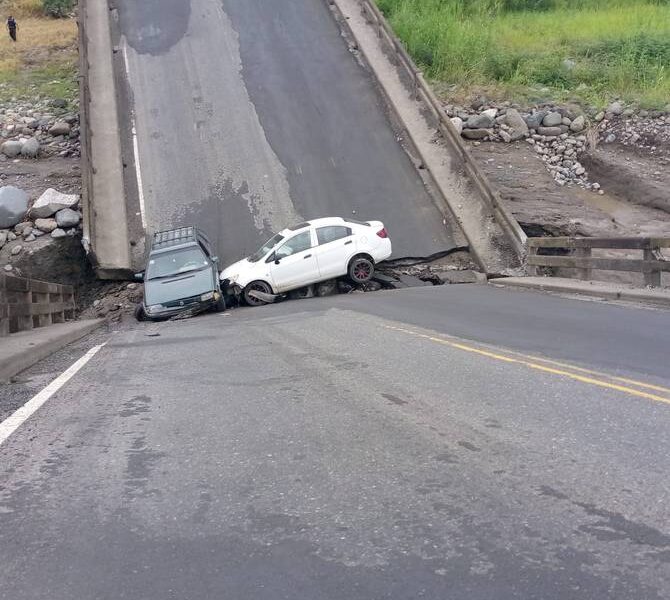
[[43, 63], [592, 50], [58, 8]]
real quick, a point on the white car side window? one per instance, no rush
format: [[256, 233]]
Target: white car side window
[[325, 235], [298, 243]]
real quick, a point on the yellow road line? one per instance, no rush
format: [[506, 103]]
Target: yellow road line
[[546, 369]]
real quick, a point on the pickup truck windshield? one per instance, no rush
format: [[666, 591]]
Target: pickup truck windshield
[[265, 248], [174, 263]]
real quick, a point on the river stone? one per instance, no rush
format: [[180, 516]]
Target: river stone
[[550, 131], [58, 233], [490, 112], [11, 148], [3, 238], [30, 148], [60, 128], [578, 124], [552, 119], [51, 201], [16, 250], [46, 225], [533, 121], [515, 122], [479, 122], [475, 134], [616, 108], [13, 206], [457, 122], [67, 218]]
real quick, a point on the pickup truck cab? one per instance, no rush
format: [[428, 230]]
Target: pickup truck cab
[[181, 274]]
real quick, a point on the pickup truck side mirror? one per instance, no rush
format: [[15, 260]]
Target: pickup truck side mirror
[[272, 258], [139, 276]]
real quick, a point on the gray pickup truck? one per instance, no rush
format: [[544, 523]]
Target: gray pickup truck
[[181, 275]]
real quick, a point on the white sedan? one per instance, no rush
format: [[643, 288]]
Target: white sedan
[[308, 253]]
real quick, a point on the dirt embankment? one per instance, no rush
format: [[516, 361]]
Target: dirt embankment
[[611, 177]]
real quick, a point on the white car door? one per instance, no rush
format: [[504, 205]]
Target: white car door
[[336, 244], [295, 263]]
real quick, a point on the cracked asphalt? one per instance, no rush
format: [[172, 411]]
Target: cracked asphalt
[[334, 448]]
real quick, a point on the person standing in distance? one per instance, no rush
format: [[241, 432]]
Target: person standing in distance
[[12, 27]]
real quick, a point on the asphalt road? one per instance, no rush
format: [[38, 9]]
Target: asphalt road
[[349, 448], [252, 115]]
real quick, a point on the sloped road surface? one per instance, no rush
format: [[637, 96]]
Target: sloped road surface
[[252, 115]]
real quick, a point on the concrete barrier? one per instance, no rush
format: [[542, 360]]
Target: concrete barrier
[[106, 234]]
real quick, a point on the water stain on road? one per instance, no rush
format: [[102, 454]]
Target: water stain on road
[[154, 26]]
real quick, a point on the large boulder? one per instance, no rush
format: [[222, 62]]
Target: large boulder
[[30, 148], [59, 128], [67, 218], [51, 201], [11, 148], [13, 206], [518, 127]]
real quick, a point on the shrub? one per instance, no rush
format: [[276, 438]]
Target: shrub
[[57, 8]]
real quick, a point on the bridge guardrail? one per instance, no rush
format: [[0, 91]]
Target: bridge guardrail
[[27, 303], [422, 91], [651, 264]]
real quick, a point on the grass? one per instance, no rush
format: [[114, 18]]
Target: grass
[[43, 63], [588, 50]]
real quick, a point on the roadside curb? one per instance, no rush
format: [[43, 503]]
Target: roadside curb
[[21, 351], [595, 289]]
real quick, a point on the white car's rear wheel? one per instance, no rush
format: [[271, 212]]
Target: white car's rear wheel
[[258, 286], [361, 269]]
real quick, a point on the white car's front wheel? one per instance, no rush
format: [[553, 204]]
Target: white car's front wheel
[[257, 286], [361, 269]]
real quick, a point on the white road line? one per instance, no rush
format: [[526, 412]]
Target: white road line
[[21, 415], [136, 149]]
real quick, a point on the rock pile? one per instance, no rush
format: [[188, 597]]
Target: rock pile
[[39, 129], [560, 135], [53, 213]]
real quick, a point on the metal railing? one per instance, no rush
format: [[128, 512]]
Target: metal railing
[[27, 303], [422, 91], [576, 253]]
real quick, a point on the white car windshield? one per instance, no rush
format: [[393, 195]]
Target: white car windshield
[[265, 248], [174, 263]]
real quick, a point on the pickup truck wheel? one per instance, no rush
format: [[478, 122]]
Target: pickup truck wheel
[[361, 269], [140, 315], [259, 286]]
